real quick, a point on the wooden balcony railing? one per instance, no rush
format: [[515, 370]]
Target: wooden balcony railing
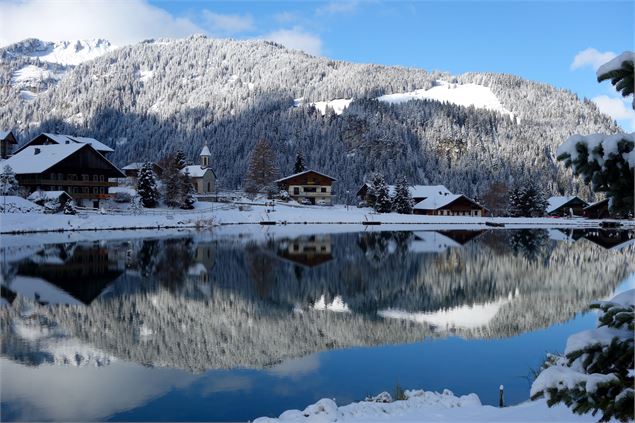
[[66, 182]]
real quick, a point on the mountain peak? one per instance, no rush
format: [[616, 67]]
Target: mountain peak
[[65, 53]]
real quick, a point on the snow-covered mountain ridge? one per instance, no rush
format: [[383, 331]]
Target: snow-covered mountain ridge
[[161, 95], [61, 52]]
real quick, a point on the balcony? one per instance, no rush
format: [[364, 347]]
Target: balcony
[[89, 196], [66, 182]]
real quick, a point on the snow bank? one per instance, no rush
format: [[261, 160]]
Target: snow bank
[[427, 406], [15, 204]]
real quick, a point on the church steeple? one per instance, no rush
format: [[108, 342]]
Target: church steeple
[[205, 155]]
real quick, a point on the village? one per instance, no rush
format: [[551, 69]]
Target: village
[[67, 174]]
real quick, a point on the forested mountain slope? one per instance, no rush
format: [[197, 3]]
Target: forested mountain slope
[[161, 95]]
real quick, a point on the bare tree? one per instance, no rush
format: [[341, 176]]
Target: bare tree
[[262, 169]]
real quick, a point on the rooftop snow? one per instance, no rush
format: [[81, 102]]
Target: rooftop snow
[[65, 139], [205, 151], [195, 171], [302, 173], [554, 203], [437, 201], [26, 161], [46, 195], [133, 166], [616, 63]]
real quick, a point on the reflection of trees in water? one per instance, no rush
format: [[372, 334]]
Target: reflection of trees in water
[[530, 243], [246, 317]]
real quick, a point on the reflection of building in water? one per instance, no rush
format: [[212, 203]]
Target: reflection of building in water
[[462, 237], [308, 251], [62, 275], [611, 239], [202, 263]]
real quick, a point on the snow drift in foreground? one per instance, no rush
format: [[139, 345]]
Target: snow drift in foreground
[[426, 406]]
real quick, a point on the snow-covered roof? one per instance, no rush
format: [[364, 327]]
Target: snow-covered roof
[[5, 134], [422, 191], [133, 166], [303, 173], [437, 201], [26, 161], [16, 204], [195, 171], [554, 203], [205, 151], [47, 195], [66, 139]]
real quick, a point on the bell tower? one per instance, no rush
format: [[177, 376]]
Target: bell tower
[[205, 155]]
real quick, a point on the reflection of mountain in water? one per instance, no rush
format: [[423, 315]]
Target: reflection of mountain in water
[[199, 305]]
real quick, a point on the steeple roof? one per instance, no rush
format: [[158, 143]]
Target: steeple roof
[[205, 151]]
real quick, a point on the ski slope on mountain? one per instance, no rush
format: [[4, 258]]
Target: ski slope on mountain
[[66, 53]]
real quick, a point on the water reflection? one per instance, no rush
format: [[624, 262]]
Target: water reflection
[[198, 302]]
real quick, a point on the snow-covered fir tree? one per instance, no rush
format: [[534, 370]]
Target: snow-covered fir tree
[[147, 186], [526, 200], [187, 199], [402, 201], [179, 160], [607, 161], [381, 194], [8, 182], [262, 169], [299, 163], [596, 372]]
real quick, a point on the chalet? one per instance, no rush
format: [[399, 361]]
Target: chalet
[[132, 169], [202, 176], [597, 210], [418, 192], [7, 141], [76, 168], [449, 205], [565, 206], [307, 251], [308, 187], [51, 139]]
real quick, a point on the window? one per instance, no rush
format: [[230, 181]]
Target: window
[[95, 190], [323, 189], [101, 178], [53, 176], [85, 177], [72, 176], [95, 178], [310, 189], [86, 190], [296, 191], [60, 176]]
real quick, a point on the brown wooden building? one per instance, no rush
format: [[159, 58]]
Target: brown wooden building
[[449, 205], [597, 210], [132, 170], [7, 141], [76, 168], [566, 206], [309, 187]]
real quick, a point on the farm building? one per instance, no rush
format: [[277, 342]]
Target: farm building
[[308, 187]]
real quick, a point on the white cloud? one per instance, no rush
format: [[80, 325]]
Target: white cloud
[[618, 108], [121, 22], [296, 38], [591, 57], [337, 7], [228, 23]]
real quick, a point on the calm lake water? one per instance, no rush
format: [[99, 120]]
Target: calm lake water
[[213, 326]]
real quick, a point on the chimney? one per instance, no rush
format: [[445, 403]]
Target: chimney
[[36, 151]]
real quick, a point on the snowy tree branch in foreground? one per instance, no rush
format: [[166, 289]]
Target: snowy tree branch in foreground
[[605, 161], [596, 373], [620, 72]]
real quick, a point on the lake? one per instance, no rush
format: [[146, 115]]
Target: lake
[[240, 323]]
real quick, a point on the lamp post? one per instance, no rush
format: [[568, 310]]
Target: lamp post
[[347, 194]]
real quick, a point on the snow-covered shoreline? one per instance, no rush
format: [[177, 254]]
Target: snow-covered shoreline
[[209, 215], [420, 406]]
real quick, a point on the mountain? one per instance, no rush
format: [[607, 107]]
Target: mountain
[[148, 99]]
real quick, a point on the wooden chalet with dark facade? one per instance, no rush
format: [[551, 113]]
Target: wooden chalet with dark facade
[[566, 206], [77, 168], [62, 139], [597, 210], [7, 141], [308, 187], [449, 205]]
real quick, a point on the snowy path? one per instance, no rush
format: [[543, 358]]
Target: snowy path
[[229, 214]]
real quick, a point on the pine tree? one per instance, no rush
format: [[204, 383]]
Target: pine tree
[[262, 170], [601, 368], [299, 163], [187, 198], [179, 160], [602, 160], [402, 203], [147, 186], [382, 203], [526, 199], [172, 183], [8, 182]]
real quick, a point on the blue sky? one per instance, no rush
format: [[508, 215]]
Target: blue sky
[[536, 40]]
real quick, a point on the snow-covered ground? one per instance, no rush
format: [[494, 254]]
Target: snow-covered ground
[[422, 406], [213, 214]]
